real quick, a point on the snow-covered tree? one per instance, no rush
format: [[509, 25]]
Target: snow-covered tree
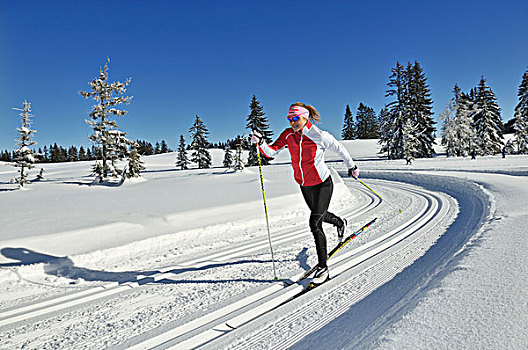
[[238, 162], [111, 142], [487, 121], [181, 159], [199, 144], [257, 121], [367, 124], [349, 126], [449, 129], [521, 117], [24, 157], [135, 164], [385, 127], [411, 140], [228, 158], [420, 109], [457, 129], [410, 91], [465, 134], [396, 114]]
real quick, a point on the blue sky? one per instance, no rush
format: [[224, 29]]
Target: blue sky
[[210, 57]]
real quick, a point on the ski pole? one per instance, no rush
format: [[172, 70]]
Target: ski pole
[[367, 186], [266, 211]]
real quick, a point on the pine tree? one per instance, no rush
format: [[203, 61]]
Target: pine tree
[[386, 133], [256, 121], [420, 109], [73, 154], [82, 154], [449, 129], [412, 102], [465, 134], [164, 147], [45, 154], [135, 165], [367, 125], [181, 159], [521, 116], [240, 143], [199, 144], [349, 126], [24, 157], [228, 157], [397, 114], [487, 121], [411, 141], [111, 142]]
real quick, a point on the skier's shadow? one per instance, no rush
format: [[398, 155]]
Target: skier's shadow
[[302, 258], [64, 267]]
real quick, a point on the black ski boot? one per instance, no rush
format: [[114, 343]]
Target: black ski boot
[[341, 231]]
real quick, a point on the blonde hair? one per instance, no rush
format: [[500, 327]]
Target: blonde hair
[[314, 114]]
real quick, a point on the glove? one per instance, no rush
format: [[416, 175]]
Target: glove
[[256, 137], [353, 172]]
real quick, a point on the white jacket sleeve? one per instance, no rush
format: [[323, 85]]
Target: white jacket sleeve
[[329, 142]]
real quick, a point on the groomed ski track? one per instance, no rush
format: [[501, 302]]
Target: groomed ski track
[[271, 313]]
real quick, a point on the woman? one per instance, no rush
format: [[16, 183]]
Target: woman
[[307, 144]]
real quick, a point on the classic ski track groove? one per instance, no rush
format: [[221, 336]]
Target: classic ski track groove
[[15, 316], [342, 262], [386, 274]]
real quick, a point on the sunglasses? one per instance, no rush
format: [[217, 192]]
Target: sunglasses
[[293, 118]]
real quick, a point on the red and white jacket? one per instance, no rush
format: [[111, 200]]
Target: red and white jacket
[[307, 148]]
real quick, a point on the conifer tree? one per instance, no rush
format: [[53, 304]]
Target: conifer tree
[[349, 126], [24, 157], [181, 159], [228, 157], [238, 162], [367, 124], [385, 127], [410, 91], [73, 154], [111, 142], [449, 129], [256, 121], [465, 110], [164, 147], [82, 154], [397, 114], [135, 164], [487, 121], [411, 141], [420, 109], [199, 144], [521, 116]]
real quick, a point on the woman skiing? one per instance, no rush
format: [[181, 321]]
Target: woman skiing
[[307, 144]]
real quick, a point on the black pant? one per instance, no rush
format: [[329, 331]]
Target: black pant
[[318, 199]]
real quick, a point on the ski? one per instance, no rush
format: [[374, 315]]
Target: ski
[[337, 248]]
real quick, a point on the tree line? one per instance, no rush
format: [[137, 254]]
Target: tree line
[[471, 124]]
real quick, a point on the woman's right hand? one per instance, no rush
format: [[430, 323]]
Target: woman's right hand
[[354, 172], [256, 137]]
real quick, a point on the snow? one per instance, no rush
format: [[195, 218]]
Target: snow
[[173, 248]]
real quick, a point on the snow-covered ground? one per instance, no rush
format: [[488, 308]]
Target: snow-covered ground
[[180, 259]]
